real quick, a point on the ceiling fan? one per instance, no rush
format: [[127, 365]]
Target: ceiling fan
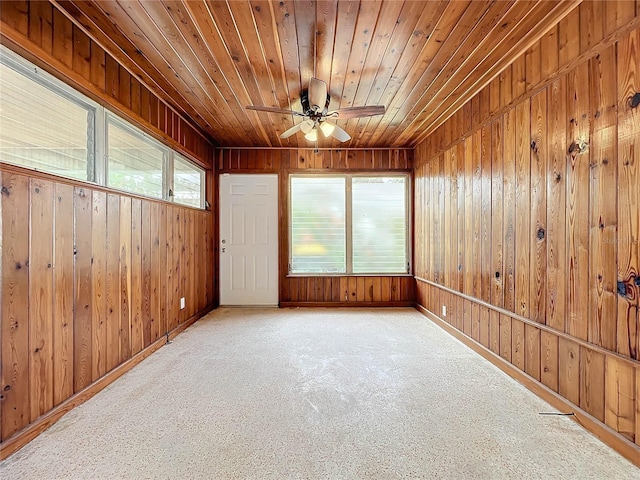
[[315, 105]]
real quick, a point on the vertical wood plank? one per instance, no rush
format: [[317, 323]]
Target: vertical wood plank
[[164, 273], [522, 222], [200, 260], [125, 278], [484, 326], [137, 334], [486, 216], [171, 268], [183, 260], [603, 306], [497, 238], [82, 324], [449, 207], [335, 290], [533, 62], [40, 297], [505, 337], [475, 322], [62, 38], [538, 204], [509, 209], [519, 75], [569, 370], [360, 293], [112, 282], [637, 406], [15, 305], [532, 351], [494, 332], [63, 294], [549, 53], [549, 360], [353, 289], [568, 40], [577, 268], [556, 201], [628, 235], [620, 390], [98, 66], [476, 210], [156, 272], [518, 344], [591, 382], [459, 266], [98, 286], [81, 53], [368, 289], [145, 280], [192, 264], [618, 14]]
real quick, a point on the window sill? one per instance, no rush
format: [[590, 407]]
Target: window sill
[[305, 275]]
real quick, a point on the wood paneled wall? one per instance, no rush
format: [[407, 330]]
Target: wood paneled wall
[[90, 278], [345, 290], [45, 36], [527, 215]]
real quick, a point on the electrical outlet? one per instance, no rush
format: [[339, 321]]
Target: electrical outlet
[[182, 303], [444, 310]]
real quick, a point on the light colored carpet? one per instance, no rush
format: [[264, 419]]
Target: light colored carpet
[[317, 394]]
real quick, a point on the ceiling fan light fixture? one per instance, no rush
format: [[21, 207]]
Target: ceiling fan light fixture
[[327, 128], [312, 136], [306, 126]]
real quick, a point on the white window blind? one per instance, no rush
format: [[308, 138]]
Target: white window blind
[[46, 125], [188, 182], [135, 164], [349, 224], [318, 229], [379, 224], [43, 129]]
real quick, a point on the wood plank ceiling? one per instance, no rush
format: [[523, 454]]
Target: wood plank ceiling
[[420, 59]]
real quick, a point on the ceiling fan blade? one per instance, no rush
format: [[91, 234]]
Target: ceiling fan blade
[[317, 93], [292, 131], [273, 110], [339, 134], [355, 112]]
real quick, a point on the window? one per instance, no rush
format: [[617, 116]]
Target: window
[[349, 224], [188, 182], [46, 125], [42, 125], [318, 225], [136, 163]]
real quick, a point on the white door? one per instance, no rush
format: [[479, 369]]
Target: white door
[[248, 239]]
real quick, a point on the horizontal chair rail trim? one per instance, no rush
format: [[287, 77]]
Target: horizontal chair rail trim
[[541, 326]]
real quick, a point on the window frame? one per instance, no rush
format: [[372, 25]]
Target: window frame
[[349, 222], [98, 121]]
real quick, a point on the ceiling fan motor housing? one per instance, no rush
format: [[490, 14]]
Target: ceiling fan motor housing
[[308, 109]]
